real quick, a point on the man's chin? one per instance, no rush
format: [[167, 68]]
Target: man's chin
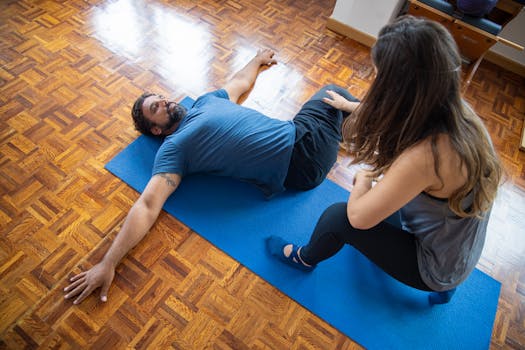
[[173, 125]]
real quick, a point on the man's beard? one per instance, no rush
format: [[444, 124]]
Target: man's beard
[[175, 115]]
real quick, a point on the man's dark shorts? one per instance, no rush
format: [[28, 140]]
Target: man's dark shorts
[[317, 138]]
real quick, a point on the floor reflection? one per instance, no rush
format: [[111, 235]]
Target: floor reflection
[[183, 50], [119, 27], [180, 51]]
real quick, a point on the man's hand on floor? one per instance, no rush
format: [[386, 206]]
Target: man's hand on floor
[[265, 57], [100, 275]]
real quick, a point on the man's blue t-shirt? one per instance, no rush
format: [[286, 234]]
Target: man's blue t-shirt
[[222, 138]]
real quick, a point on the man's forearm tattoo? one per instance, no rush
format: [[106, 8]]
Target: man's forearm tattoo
[[169, 181]]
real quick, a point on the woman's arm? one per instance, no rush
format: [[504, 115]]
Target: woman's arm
[[409, 175]]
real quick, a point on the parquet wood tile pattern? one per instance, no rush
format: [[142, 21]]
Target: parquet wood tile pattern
[[69, 72]]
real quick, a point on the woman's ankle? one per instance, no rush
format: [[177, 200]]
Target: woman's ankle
[[300, 258]]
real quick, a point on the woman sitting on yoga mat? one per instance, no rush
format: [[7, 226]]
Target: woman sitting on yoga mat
[[439, 171]]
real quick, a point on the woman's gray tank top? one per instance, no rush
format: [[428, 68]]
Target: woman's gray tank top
[[448, 246]]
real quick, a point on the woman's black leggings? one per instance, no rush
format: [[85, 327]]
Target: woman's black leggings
[[389, 247]]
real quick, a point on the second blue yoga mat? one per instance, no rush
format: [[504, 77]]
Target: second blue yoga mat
[[347, 291]]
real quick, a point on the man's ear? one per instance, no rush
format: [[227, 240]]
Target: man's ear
[[155, 130]]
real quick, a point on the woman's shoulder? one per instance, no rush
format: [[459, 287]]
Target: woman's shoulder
[[421, 152], [444, 165], [440, 142], [418, 159]]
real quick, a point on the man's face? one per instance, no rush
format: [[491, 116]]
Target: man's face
[[163, 114]]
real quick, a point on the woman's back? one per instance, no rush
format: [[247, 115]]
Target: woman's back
[[448, 246], [452, 173]]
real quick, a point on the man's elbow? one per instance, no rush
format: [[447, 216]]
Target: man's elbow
[[147, 205], [243, 86]]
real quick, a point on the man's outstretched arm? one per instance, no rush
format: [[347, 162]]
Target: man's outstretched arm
[[243, 80], [140, 218]]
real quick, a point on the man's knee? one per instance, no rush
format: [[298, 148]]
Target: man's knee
[[341, 91], [319, 95], [332, 87]]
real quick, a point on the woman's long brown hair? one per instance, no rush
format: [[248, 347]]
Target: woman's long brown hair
[[416, 95]]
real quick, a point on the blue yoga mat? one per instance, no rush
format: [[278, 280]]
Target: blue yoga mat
[[347, 291]]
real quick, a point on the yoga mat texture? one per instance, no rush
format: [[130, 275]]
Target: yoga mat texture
[[347, 291]]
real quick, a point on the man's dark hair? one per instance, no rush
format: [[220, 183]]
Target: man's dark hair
[[142, 124]]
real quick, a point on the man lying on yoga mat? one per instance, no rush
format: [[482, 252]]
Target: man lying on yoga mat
[[218, 136], [440, 171]]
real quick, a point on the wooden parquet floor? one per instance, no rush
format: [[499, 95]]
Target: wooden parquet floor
[[69, 72]]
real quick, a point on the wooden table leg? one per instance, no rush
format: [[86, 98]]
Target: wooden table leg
[[522, 143]]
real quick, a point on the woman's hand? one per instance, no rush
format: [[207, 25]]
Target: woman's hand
[[363, 178], [339, 102]]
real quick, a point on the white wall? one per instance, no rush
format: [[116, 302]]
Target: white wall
[[367, 16], [513, 31]]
